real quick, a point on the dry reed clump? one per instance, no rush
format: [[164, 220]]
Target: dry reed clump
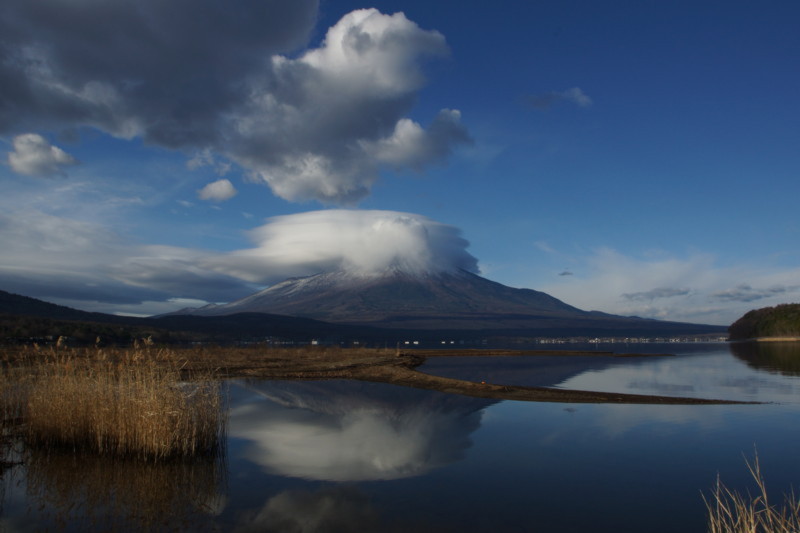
[[123, 403], [731, 512]]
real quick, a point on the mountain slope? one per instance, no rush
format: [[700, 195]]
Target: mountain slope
[[392, 296], [433, 301], [22, 317]]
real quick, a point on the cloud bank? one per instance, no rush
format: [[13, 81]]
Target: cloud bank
[[85, 265], [201, 77], [82, 264], [692, 289]]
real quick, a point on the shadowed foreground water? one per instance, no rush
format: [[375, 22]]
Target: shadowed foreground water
[[352, 456]]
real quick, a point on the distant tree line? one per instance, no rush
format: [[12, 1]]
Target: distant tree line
[[16, 329], [779, 321]]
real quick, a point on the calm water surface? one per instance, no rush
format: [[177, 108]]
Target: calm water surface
[[350, 456]]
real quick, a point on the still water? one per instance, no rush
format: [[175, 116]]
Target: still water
[[350, 456]]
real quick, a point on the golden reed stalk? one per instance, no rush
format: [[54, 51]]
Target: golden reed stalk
[[130, 403], [731, 512]]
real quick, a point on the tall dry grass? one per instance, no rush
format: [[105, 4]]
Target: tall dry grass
[[729, 511], [129, 403]]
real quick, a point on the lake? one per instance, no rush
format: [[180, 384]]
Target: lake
[[352, 456]]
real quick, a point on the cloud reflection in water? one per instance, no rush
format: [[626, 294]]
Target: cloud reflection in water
[[346, 431], [339, 508]]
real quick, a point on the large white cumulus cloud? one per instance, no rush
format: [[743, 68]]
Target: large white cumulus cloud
[[335, 115], [358, 241], [204, 77]]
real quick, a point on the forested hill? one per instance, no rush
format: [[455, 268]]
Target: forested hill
[[779, 321], [15, 304]]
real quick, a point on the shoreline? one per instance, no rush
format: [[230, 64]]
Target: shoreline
[[420, 380], [364, 364], [401, 369]]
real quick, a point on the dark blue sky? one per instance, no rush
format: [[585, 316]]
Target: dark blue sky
[[632, 157]]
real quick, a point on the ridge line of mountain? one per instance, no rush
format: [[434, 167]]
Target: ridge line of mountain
[[458, 300], [38, 318]]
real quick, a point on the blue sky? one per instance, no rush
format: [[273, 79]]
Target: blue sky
[[639, 158]]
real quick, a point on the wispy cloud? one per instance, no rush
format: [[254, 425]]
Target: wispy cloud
[[545, 247], [654, 294], [544, 101], [746, 293], [206, 158]]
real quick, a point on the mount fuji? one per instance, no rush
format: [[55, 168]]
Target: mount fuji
[[435, 300]]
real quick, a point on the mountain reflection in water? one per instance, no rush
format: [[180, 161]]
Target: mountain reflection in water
[[782, 357], [352, 431]]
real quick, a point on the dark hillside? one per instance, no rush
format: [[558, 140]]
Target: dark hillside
[[15, 304], [779, 321]]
